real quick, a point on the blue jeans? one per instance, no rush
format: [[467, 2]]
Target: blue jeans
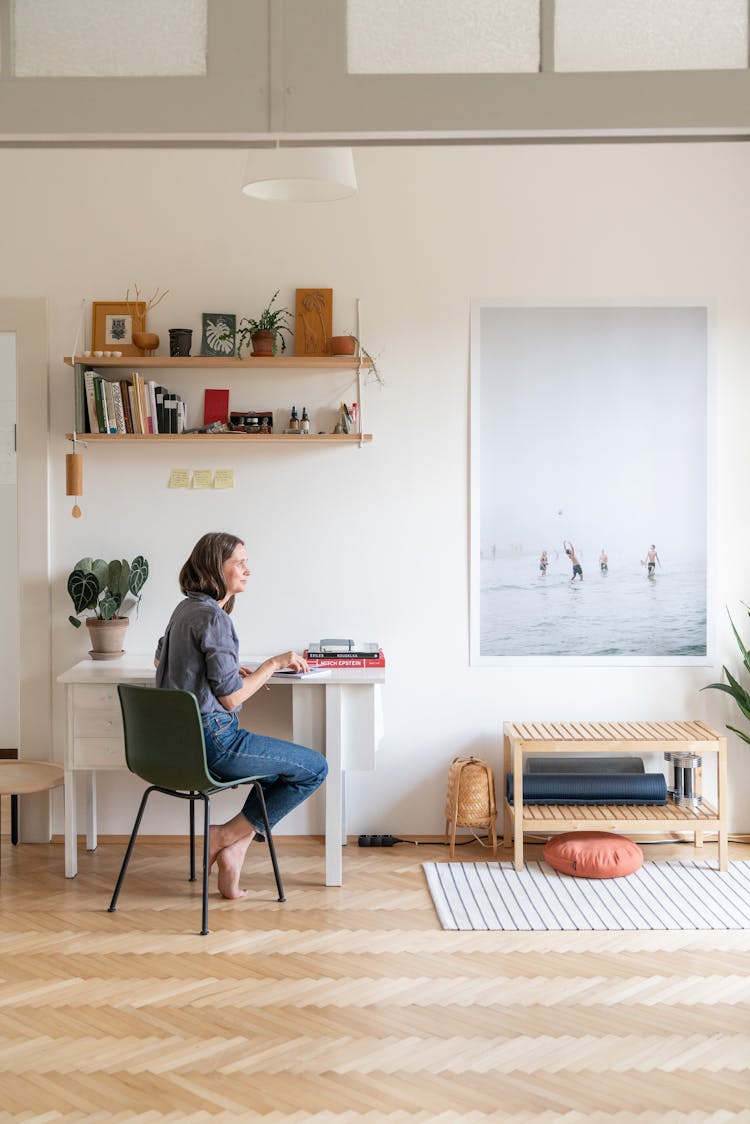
[[291, 772]]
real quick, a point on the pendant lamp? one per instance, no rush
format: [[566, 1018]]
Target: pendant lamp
[[304, 175]]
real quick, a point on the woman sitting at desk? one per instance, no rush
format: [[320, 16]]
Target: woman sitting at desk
[[199, 652]]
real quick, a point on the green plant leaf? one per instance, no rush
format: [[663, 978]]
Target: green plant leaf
[[114, 572], [108, 607], [733, 687], [83, 589], [101, 569], [75, 622], [738, 638], [740, 734], [124, 585], [138, 575], [85, 564], [739, 694]]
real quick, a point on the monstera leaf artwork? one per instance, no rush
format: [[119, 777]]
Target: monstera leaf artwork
[[219, 329]]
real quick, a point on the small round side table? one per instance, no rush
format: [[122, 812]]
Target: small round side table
[[20, 777]]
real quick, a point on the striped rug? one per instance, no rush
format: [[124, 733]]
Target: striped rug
[[661, 895]]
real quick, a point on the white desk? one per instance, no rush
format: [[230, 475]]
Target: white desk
[[338, 713]]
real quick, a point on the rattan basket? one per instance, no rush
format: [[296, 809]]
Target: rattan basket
[[470, 799]]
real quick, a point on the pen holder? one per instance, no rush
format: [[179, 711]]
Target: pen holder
[[180, 341]]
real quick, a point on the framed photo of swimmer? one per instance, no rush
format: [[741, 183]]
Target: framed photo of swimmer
[[591, 484]]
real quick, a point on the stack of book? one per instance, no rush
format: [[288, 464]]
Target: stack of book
[[344, 653], [130, 405]]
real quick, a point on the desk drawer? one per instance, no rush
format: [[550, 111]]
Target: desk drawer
[[91, 695], [98, 753], [103, 723]]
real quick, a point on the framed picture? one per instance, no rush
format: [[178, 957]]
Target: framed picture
[[313, 322], [591, 484], [113, 324], [219, 334]]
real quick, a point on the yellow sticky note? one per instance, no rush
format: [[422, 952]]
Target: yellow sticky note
[[179, 478], [202, 478], [224, 478]]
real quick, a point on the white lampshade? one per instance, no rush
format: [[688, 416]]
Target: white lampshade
[[307, 175]]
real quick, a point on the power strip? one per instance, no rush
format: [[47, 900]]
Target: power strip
[[378, 840]]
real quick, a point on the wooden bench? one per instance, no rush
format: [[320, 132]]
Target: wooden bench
[[611, 737]]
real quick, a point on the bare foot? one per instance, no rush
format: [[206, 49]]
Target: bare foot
[[229, 860]]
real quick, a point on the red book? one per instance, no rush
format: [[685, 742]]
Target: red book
[[215, 406]]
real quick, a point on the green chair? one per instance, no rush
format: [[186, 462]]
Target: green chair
[[164, 746]]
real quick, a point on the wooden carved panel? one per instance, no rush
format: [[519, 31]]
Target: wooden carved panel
[[313, 322]]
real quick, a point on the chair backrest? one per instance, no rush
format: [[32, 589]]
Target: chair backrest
[[164, 737]]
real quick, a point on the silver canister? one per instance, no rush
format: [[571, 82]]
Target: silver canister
[[686, 769]]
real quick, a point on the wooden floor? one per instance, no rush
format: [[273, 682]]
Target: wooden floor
[[348, 1004]]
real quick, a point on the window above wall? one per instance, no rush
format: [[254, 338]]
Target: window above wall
[[488, 37], [109, 38], [129, 69], [229, 72]]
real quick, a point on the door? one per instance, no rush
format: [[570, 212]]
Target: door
[[9, 593]]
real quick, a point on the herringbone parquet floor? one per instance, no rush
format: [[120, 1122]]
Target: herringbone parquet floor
[[348, 1004]]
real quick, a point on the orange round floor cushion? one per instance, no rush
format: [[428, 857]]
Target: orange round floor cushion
[[593, 854]]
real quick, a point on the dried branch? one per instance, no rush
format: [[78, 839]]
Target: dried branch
[[151, 303]]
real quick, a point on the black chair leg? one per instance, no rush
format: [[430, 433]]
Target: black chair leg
[[269, 838], [14, 820], [206, 820], [192, 836], [129, 851]]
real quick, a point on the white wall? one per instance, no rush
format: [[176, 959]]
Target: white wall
[[374, 542]]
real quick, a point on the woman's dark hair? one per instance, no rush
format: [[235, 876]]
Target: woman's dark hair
[[202, 573]]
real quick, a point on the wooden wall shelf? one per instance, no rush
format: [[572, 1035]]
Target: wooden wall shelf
[[329, 363], [245, 439], [204, 362]]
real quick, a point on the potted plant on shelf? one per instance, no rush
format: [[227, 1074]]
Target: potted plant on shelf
[[347, 345], [733, 687], [264, 331], [104, 587]]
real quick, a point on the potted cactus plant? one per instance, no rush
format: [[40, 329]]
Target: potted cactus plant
[[104, 587]]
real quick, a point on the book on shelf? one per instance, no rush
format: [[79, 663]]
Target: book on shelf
[[119, 412], [137, 403], [215, 406], [159, 393], [170, 413], [145, 405], [134, 408], [127, 405], [109, 406], [80, 399], [93, 416], [151, 386], [101, 405]]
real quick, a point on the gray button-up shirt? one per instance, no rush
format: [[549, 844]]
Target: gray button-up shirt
[[199, 652]]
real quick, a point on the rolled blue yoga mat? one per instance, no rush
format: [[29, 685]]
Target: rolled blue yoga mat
[[570, 763], [591, 788]]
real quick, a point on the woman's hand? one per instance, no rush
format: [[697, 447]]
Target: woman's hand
[[252, 681], [289, 660]]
